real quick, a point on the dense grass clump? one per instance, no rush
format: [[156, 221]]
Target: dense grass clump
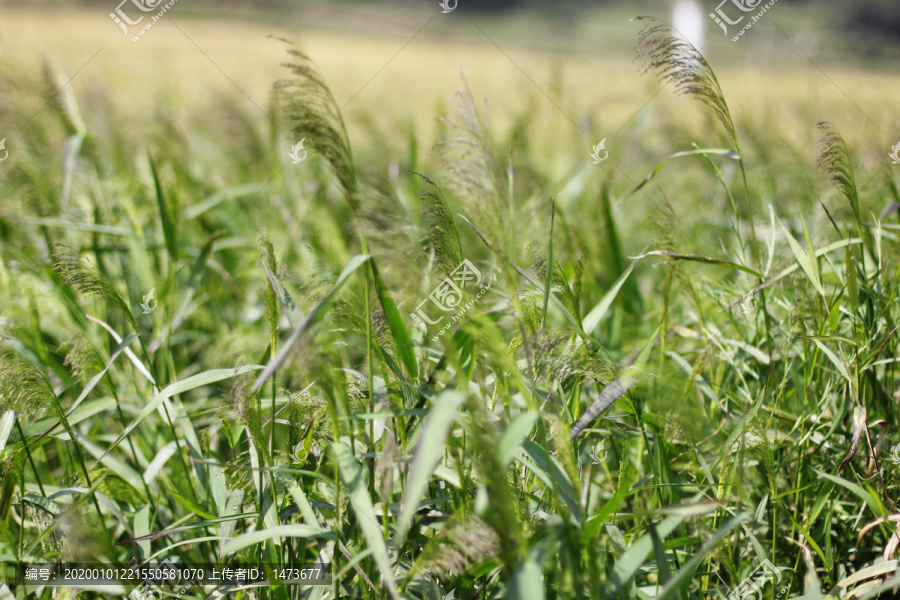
[[451, 378]]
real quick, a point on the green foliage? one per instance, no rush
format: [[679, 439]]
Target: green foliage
[[23, 388], [443, 234], [587, 426], [79, 274], [313, 114], [676, 61]]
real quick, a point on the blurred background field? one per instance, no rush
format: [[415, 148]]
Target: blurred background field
[[568, 71], [580, 57]]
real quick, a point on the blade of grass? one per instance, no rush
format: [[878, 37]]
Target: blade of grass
[[687, 571], [526, 583], [699, 258], [597, 313], [396, 325], [426, 457], [791, 269], [550, 264], [287, 303], [720, 151], [179, 387], [515, 435], [258, 537], [631, 560], [858, 491], [365, 512], [810, 267], [311, 319], [165, 215], [6, 426]]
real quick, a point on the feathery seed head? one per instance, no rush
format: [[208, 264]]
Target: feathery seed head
[[677, 61]]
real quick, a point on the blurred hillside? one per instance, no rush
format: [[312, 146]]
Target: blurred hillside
[[868, 29]]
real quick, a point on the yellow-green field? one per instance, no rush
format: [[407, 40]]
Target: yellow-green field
[[390, 80]]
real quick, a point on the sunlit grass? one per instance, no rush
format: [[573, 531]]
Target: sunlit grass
[[277, 401]]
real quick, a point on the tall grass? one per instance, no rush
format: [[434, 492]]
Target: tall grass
[[596, 425]]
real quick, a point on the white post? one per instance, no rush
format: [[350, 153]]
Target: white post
[[689, 20]]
